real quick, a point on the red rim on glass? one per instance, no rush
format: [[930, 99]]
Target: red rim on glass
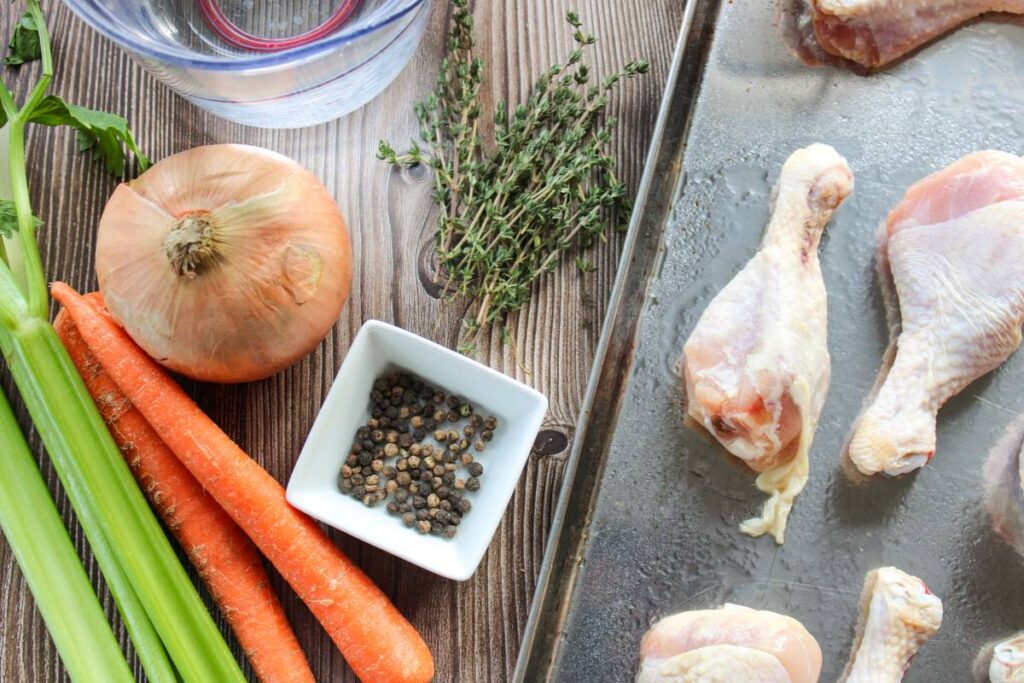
[[226, 29]]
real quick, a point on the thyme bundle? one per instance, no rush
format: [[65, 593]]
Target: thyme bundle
[[545, 184]]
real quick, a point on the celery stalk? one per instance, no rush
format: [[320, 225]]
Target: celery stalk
[[43, 549], [143, 633], [160, 606], [107, 498]]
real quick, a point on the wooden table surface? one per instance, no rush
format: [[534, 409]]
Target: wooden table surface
[[474, 628]]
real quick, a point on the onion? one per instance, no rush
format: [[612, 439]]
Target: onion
[[226, 263]]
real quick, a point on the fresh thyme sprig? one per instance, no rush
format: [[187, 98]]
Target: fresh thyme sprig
[[545, 184]]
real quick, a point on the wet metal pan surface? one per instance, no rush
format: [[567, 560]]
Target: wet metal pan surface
[[647, 522]]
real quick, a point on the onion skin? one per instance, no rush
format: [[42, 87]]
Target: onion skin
[[253, 277]]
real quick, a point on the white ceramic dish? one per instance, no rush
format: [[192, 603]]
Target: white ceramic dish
[[380, 348]]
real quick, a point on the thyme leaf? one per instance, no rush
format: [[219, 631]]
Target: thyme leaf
[[514, 202]]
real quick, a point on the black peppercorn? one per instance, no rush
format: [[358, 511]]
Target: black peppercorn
[[451, 531], [401, 495], [437, 528], [423, 527], [475, 469], [408, 519], [472, 484], [487, 435], [419, 502], [465, 410], [393, 508], [464, 506]]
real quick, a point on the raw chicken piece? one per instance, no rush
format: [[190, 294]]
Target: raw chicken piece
[[756, 367], [727, 645], [898, 614], [1001, 662], [952, 253], [874, 33], [1004, 493]]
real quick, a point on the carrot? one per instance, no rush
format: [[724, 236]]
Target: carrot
[[378, 643], [226, 559]]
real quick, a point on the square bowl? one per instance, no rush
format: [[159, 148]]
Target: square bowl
[[378, 349]]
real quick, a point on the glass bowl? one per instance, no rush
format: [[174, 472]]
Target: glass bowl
[[260, 84]]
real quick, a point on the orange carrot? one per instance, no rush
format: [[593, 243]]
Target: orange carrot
[[226, 559], [378, 643]]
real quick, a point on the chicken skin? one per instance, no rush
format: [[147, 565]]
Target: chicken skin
[[1004, 492], [756, 367], [1001, 662], [898, 614], [875, 33], [952, 255], [727, 645]]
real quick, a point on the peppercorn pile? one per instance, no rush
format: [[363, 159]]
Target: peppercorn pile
[[416, 444]]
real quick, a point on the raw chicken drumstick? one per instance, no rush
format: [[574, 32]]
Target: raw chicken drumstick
[[1004, 493], [1001, 662], [953, 250], [728, 645], [898, 614], [874, 33], [756, 367]]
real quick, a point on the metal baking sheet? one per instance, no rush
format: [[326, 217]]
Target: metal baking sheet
[[647, 523]]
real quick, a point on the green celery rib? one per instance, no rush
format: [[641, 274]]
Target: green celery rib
[[51, 567], [148, 645], [88, 461]]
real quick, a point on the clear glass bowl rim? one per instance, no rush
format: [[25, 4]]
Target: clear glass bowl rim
[[100, 21]]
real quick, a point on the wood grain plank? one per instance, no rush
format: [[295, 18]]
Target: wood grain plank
[[474, 628]]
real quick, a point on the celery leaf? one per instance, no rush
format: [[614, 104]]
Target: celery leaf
[[9, 219], [105, 136], [24, 45]]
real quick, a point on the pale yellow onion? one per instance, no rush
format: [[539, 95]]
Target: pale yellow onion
[[226, 263]]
